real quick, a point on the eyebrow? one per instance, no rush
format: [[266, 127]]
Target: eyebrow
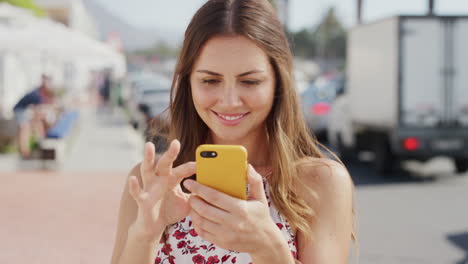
[[219, 74]]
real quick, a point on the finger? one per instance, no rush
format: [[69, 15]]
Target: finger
[[185, 170], [203, 225], [147, 166], [212, 196], [208, 211], [164, 165], [206, 235], [134, 188], [257, 192]]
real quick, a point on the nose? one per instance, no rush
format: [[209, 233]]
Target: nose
[[230, 96]]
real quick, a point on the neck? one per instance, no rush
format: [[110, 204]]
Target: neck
[[257, 148]]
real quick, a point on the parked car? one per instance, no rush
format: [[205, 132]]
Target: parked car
[[317, 99], [149, 98]]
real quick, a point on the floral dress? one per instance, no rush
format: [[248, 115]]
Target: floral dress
[[181, 244]]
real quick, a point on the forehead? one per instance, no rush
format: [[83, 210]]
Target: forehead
[[232, 53]]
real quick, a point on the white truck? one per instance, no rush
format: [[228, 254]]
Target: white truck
[[406, 91]]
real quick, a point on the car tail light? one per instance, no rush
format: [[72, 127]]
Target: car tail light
[[320, 109], [411, 144]]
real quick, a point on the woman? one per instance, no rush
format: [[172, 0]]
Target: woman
[[233, 85]]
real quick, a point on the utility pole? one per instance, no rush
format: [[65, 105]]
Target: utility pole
[[359, 11], [431, 7]]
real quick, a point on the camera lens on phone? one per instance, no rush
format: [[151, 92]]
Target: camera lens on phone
[[208, 154]]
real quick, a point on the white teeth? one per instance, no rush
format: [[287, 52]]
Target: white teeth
[[230, 118]]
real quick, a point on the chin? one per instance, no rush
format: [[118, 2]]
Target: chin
[[230, 137]]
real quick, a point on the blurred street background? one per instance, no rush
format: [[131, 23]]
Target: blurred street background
[[383, 84]]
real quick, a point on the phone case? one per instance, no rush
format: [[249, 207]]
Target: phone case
[[227, 172]]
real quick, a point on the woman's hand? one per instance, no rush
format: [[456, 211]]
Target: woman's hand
[[231, 223], [160, 199]]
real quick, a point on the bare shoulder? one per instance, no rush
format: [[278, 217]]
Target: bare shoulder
[[327, 178]]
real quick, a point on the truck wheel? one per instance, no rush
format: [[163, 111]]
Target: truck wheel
[[384, 159], [461, 164]]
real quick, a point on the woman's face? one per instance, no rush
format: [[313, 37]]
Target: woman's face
[[233, 87]]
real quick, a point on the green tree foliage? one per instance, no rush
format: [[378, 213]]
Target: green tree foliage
[[27, 4], [327, 40], [303, 43], [331, 37]]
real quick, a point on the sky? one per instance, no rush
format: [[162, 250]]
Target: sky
[[176, 14]]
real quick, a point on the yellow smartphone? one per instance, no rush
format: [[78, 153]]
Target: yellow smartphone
[[224, 168]]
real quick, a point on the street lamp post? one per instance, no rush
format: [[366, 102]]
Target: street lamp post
[[359, 11], [431, 7]]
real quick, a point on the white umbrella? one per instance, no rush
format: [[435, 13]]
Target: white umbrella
[[21, 31]]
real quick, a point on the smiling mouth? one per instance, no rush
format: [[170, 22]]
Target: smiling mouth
[[231, 117]]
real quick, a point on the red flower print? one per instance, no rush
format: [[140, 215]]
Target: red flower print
[[157, 260], [171, 259], [279, 225], [193, 249], [225, 257], [234, 260], [166, 249], [213, 260], [294, 254], [193, 232], [179, 235], [181, 244], [198, 259]]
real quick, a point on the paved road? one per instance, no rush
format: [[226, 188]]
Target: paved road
[[419, 215]]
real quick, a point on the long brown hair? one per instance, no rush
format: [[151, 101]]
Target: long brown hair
[[289, 140]]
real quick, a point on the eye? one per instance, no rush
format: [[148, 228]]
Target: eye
[[210, 81], [251, 82]]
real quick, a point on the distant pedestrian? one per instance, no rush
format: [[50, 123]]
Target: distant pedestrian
[[31, 116], [105, 89]]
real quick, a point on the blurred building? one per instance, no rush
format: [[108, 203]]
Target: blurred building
[[71, 54], [71, 13]]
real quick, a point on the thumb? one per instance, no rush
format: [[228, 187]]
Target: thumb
[[256, 190]]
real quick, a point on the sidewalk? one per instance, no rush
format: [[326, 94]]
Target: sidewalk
[[69, 215], [106, 142]]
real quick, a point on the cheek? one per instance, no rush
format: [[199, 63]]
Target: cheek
[[260, 100], [202, 98]]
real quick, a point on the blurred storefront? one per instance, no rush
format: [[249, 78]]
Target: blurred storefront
[[67, 50], [71, 13]]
